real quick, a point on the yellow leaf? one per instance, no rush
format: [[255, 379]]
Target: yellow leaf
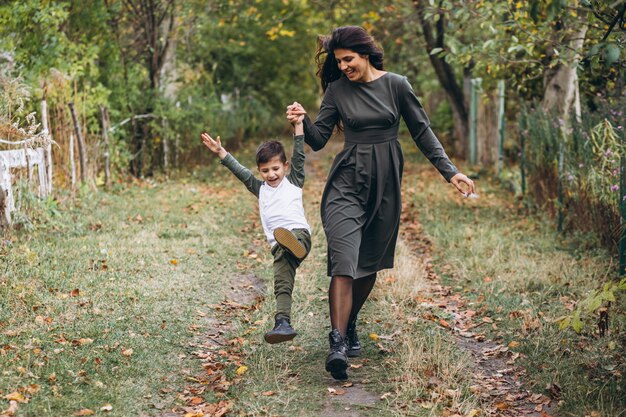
[[473, 413], [194, 414], [174, 262], [241, 370], [374, 337], [513, 344], [85, 341], [16, 396]]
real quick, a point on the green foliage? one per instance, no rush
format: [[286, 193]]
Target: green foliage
[[598, 301]]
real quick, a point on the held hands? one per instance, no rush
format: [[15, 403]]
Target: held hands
[[460, 179], [214, 145], [295, 113]]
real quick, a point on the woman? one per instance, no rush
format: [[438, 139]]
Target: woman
[[361, 201]]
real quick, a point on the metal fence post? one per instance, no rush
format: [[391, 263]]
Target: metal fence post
[[622, 205]]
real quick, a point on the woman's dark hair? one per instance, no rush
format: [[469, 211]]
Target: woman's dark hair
[[268, 150], [354, 38]]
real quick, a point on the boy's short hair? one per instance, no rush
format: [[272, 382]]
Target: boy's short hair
[[268, 150]]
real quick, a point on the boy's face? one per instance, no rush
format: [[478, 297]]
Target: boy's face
[[273, 171]]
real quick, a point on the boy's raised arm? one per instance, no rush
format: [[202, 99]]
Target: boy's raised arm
[[244, 175], [296, 176]]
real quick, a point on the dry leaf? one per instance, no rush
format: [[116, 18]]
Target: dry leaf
[[85, 341], [75, 292], [33, 388], [16, 396], [374, 337], [385, 395], [502, 406], [267, 393], [241, 370], [347, 384], [127, 352], [514, 344], [194, 414], [106, 407], [11, 410], [196, 400], [473, 413], [84, 412], [174, 261]]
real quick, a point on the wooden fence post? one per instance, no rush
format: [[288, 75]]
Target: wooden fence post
[[44, 125], [107, 155], [82, 152]]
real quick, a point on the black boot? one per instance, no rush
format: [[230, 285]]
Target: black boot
[[352, 340], [337, 360], [281, 332]]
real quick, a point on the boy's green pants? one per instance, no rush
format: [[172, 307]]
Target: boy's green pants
[[285, 265]]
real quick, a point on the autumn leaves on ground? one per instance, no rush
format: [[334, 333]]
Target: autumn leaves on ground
[[152, 300]]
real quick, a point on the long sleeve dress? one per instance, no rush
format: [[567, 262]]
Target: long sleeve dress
[[361, 203]]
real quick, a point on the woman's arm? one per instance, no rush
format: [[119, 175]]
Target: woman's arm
[[317, 133], [417, 121]]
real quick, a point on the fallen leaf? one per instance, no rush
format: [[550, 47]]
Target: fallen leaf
[[11, 410], [33, 388], [84, 412], [75, 292], [385, 395], [513, 344], [374, 337], [16, 396], [241, 370], [502, 406], [196, 400], [106, 407], [194, 414], [127, 352], [473, 413], [267, 393], [84, 341], [174, 261], [444, 323], [347, 384]]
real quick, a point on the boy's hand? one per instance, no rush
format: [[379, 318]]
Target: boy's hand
[[214, 145], [295, 113]]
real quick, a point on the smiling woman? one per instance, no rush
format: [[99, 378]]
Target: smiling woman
[[361, 203]]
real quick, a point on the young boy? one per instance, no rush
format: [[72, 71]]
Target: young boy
[[282, 215]]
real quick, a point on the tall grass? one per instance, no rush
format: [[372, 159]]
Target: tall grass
[[572, 169]]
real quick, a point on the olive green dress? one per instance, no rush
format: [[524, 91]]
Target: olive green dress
[[361, 203]]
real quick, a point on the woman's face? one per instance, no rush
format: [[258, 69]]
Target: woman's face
[[355, 66]]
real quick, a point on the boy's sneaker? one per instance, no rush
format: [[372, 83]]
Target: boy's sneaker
[[282, 332], [289, 241], [337, 359]]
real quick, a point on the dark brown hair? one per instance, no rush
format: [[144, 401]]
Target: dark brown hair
[[268, 150], [354, 38]]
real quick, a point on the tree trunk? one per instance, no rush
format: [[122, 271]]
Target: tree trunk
[[434, 38], [560, 82]]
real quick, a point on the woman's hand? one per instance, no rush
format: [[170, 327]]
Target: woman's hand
[[214, 145], [460, 179], [295, 113]]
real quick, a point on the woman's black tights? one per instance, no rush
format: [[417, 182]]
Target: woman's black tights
[[346, 296]]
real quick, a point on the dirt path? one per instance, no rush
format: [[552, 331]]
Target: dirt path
[[497, 382]]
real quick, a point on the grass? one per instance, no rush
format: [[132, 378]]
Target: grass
[[103, 297], [518, 270]]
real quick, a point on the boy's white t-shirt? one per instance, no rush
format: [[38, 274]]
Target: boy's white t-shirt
[[281, 207]]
